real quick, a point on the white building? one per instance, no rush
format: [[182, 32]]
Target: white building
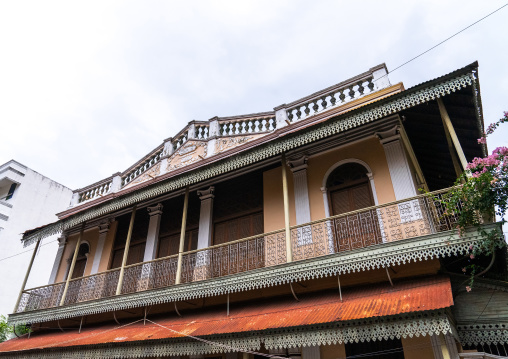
[[27, 200]]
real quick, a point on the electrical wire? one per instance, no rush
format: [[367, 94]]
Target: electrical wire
[[28, 250], [442, 42]]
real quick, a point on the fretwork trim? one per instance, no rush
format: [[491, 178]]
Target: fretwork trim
[[380, 328], [378, 256], [271, 149]]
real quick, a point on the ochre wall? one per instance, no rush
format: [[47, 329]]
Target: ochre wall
[[68, 252], [333, 351], [273, 202], [369, 151], [417, 348], [108, 246], [91, 236]]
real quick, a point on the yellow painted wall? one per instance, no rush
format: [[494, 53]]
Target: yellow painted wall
[[273, 203], [108, 247], [68, 252], [417, 348], [91, 236], [369, 151], [333, 351]]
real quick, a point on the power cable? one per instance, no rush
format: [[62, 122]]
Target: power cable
[[442, 42], [28, 250]]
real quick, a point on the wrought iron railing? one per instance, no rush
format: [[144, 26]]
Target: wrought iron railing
[[409, 218]]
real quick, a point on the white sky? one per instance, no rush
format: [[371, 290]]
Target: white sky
[[88, 88]]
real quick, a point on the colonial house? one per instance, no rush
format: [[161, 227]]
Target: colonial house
[[299, 232]]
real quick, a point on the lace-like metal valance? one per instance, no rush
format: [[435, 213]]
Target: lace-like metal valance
[[384, 328], [483, 334], [263, 152], [440, 245]]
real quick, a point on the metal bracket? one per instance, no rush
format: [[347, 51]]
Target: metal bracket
[[176, 310], [388, 274], [293, 291], [340, 290]]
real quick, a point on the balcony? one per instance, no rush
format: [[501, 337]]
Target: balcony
[[368, 228]]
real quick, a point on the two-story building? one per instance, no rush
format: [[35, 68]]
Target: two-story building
[[297, 232]]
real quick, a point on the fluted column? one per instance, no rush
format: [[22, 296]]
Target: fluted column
[[58, 259], [152, 238], [299, 168], [205, 217], [103, 232], [398, 165]]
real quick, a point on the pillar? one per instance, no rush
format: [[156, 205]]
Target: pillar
[[205, 217], [103, 232], [152, 237], [398, 165], [281, 116], [213, 134], [302, 207], [58, 259]]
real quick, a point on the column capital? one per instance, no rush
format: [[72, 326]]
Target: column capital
[[155, 210], [104, 226], [297, 164], [206, 193], [62, 240], [389, 135]]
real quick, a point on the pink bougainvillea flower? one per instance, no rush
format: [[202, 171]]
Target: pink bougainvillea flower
[[468, 288]]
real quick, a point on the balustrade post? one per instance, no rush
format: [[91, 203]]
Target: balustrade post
[[126, 252], [73, 263], [213, 134], [289, 250], [450, 131], [182, 237], [380, 77], [191, 131], [166, 154], [27, 275], [281, 116], [116, 182], [74, 199]]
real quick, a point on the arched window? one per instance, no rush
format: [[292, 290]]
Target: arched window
[[349, 188], [79, 267]]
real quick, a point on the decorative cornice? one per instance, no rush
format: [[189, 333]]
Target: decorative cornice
[[439, 245], [283, 144], [379, 328]]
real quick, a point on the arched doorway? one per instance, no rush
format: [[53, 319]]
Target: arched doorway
[[349, 189]]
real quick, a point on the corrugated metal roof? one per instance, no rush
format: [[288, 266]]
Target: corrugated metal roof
[[358, 303]]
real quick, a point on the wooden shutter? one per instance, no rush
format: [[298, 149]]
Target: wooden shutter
[[238, 228], [79, 268]]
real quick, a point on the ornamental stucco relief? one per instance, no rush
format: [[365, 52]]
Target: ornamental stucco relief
[[190, 152]]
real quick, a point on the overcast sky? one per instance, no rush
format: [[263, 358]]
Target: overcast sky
[[88, 88]]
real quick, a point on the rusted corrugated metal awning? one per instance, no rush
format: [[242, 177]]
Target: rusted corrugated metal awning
[[358, 303]]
